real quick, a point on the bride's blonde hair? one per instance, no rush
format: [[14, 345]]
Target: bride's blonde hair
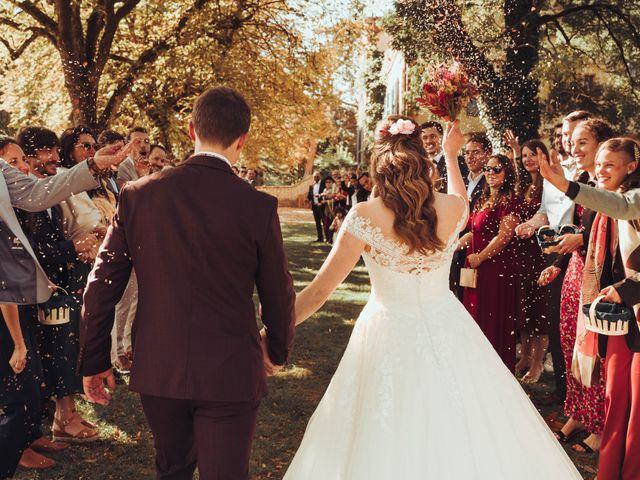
[[403, 178]]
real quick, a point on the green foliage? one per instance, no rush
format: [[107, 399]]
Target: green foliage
[[376, 89], [581, 54]]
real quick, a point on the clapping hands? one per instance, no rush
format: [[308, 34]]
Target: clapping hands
[[86, 247]]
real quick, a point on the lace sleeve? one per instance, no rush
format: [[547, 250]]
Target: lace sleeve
[[356, 225]]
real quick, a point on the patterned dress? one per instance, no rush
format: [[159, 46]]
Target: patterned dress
[[585, 405]]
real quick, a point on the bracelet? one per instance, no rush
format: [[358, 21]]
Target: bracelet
[[93, 168]]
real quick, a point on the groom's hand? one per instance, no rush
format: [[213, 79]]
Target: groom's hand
[[269, 367], [94, 387]]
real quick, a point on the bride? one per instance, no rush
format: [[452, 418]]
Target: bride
[[419, 393]]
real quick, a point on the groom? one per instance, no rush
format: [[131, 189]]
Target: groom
[[200, 239]]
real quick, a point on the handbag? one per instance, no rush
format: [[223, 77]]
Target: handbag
[[56, 310], [605, 318], [469, 276]]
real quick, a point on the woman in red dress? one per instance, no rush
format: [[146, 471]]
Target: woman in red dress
[[583, 405], [533, 322], [494, 302]]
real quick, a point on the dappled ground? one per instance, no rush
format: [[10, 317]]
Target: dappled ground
[[126, 451]]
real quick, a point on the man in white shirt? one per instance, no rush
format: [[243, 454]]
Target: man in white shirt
[[316, 207]]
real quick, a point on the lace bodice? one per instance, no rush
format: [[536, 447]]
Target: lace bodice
[[392, 254]]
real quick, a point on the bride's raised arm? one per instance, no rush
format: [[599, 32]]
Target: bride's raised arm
[[452, 142], [343, 257]]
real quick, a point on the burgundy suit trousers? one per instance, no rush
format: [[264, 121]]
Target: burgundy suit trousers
[[216, 437]]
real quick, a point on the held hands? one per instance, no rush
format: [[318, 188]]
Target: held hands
[[452, 140], [548, 275], [568, 243], [18, 360], [94, 387], [113, 155], [611, 294], [269, 368]]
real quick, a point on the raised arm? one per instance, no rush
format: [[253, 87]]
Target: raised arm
[[452, 142], [343, 257], [621, 206], [35, 195]]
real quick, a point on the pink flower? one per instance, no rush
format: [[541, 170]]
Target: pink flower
[[402, 127]]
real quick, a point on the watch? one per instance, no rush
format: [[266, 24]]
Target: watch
[[93, 168]]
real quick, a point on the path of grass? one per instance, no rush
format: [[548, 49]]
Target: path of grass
[[126, 450]]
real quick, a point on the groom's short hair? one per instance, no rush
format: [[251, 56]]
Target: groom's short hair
[[220, 116]]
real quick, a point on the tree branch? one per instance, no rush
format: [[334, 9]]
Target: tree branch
[[146, 58], [620, 47], [39, 16], [112, 21], [15, 53], [597, 7]]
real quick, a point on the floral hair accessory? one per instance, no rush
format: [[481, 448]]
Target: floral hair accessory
[[401, 127]]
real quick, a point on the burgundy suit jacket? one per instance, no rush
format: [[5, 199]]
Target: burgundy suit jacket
[[200, 240]]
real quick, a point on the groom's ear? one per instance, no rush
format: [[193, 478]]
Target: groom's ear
[[241, 141], [192, 131]]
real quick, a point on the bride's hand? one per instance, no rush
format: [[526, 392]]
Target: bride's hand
[[453, 139]]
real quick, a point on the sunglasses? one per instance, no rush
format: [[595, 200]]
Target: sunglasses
[[495, 170], [88, 146]]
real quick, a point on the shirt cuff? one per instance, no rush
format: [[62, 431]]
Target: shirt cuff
[[573, 190]]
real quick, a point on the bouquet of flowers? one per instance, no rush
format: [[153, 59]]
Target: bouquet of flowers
[[447, 91]]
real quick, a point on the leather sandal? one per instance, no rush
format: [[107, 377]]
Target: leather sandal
[[44, 445], [74, 430]]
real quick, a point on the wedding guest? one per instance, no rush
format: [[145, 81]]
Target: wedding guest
[[58, 343], [556, 210], [81, 215], [584, 405], [20, 407], [364, 187], [331, 191], [337, 221], [557, 144], [612, 268], [251, 177], [21, 439], [111, 137], [354, 186], [348, 190], [617, 164], [532, 313], [476, 155], [317, 207], [243, 173], [235, 170], [431, 134], [157, 157], [490, 250], [137, 165]]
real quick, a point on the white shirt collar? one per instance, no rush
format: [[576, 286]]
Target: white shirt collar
[[213, 154]]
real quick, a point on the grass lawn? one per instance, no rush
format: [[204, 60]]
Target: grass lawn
[[126, 448]]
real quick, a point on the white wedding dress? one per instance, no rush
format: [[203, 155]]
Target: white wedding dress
[[420, 394]]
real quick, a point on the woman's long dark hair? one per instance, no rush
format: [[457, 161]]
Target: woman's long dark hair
[[506, 192], [68, 141], [524, 178]]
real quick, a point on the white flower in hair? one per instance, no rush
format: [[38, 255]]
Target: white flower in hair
[[402, 127]]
